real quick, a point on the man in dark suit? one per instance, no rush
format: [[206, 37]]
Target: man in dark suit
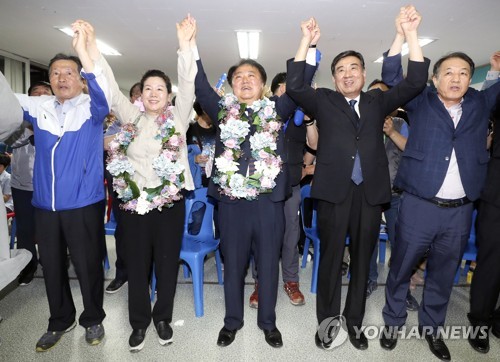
[[250, 218], [485, 287], [442, 171], [351, 179]]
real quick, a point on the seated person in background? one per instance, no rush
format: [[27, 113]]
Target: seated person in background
[[200, 139], [5, 182], [23, 159]]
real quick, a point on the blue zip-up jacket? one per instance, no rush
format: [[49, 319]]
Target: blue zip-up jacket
[[68, 171]]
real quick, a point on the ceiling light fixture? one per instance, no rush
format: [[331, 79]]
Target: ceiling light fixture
[[404, 50], [103, 47], [248, 43]]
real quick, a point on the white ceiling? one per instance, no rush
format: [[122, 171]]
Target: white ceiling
[[144, 30]]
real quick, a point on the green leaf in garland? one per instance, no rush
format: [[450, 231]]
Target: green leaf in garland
[[133, 186]]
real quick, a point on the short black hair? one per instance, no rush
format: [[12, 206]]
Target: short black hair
[[4, 160], [197, 108], [278, 79], [39, 83], [156, 73], [378, 81], [61, 56], [131, 91], [345, 54], [250, 62], [459, 55]]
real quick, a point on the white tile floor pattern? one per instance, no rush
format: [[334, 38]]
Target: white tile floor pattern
[[25, 313]]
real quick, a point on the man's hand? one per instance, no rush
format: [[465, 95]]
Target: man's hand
[[310, 30], [388, 126], [495, 61], [410, 18]]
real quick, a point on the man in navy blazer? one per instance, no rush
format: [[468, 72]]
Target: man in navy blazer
[[442, 172], [248, 224], [350, 137]]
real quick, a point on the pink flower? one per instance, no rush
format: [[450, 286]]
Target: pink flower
[[172, 189], [172, 177], [275, 126], [230, 143], [169, 155], [228, 155], [265, 182], [268, 111], [263, 154], [174, 140]]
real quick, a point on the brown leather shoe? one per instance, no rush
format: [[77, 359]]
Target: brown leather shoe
[[254, 298], [294, 293]]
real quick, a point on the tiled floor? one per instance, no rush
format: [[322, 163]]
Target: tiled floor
[[25, 313]]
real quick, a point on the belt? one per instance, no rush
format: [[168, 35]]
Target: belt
[[449, 203]]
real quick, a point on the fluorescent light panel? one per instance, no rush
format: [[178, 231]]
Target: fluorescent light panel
[[103, 47], [248, 43], [404, 50]]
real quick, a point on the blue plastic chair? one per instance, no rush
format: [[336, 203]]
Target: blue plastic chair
[[13, 229], [470, 252], [382, 244], [196, 247], [311, 233]]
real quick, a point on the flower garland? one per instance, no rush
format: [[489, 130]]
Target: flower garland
[[170, 172], [263, 145]]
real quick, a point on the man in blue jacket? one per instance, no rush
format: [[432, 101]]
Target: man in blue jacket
[[442, 171], [69, 190]]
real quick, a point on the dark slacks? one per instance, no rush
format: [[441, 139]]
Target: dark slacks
[[121, 268], [361, 221], [289, 250], [25, 223], [443, 232], [485, 287], [244, 226], [82, 232], [155, 237]]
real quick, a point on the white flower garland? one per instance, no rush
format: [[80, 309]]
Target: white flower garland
[[170, 172], [263, 145]]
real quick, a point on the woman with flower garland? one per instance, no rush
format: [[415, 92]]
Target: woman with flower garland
[[150, 169], [250, 180]]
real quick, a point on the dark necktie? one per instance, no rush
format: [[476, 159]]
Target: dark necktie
[[357, 174]]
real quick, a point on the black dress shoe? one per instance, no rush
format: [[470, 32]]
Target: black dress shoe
[[480, 342], [226, 336], [437, 346], [273, 338], [136, 340], [495, 332], [389, 338], [359, 342], [115, 285], [321, 344]]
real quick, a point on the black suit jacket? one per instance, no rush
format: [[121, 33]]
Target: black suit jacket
[[491, 190], [209, 101], [339, 138]]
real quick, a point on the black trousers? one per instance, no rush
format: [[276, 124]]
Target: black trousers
[[485, 287], [121, 267], [82, 232], [153, 237], [251, 226], [361, 221], [25, 223]]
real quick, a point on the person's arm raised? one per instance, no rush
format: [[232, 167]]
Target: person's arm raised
[[411, 19]]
